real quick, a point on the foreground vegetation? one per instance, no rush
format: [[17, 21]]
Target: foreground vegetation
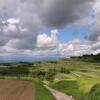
[[78, 88], [42, 92], [77, 76]]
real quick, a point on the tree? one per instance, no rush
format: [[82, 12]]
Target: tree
[[50, 75], [64, 70]]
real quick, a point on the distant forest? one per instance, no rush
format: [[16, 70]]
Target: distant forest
[[89, 58]]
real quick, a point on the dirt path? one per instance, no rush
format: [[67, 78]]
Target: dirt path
[[16, 90], [58, 95]]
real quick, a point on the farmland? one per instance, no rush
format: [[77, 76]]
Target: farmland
[[16, 90], [78, 77]]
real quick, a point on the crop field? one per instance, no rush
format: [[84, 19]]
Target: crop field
[[16, 90]]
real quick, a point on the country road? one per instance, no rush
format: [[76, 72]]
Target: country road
[[58, 95]]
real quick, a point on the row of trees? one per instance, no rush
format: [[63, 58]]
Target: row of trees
[[49, 75]]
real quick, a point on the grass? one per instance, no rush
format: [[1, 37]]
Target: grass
[[94, 93], [87, 83], [69, 87], [78, 87], [42, 92]]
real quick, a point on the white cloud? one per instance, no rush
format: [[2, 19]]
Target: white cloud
[[44, 41], [55, 31], [13, 21]]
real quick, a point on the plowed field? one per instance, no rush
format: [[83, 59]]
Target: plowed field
[[16, 90]]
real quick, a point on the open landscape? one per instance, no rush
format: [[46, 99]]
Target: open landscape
[[78, 77], [49, 49]]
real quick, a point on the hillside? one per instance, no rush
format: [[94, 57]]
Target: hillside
[[75, 76]]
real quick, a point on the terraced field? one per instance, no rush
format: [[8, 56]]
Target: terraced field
[[16, 90]]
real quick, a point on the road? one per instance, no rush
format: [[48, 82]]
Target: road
[[59, 95]]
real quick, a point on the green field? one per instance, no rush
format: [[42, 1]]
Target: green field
[[76, 76], [42, 92]]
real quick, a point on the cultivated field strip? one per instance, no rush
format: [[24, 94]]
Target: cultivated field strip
[[16, 90]]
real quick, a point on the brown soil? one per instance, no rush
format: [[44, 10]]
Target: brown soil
[[16, 90]]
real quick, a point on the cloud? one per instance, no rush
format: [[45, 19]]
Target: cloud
[[78, 48], [13, 21], [74, 48], [21, 22], [43, 40], [94, 32], [59, 13]]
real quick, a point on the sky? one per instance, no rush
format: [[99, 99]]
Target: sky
[[49, 28]]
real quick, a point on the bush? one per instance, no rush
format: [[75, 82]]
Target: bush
[[39, 74], [85, 71], [64, 70], [50, 75]]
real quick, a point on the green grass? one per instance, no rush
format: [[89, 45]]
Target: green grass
[[69, 87], [87, 83], [94, 93], [77, 87], [42, 92]]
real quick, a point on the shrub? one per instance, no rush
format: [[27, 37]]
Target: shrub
[[39, 74], [50, 75], [64, 70]]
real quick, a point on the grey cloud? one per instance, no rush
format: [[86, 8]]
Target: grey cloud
[[3, 40], [28, 27], [93, 36], [35, 14], [58, 13], [28, 43], [94, 32]]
